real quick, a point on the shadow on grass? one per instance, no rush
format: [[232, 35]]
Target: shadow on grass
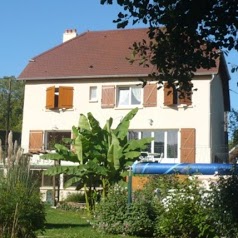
[[64, 225]]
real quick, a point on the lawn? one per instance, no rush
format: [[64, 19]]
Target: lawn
[[69, 224]]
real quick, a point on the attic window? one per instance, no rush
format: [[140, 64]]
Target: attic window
[[61, 97]]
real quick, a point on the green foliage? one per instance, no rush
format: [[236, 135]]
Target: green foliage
[[102, 154], [75, 197], [14, 106], [184, 209], [233, 127], [181, 208], [113, 215], [71, 224], [224, 196], [178, 32], [21, 209]]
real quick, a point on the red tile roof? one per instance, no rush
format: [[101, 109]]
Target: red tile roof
[[91, 54]]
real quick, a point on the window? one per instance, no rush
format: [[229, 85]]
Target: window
[[56, 137], [128, 96], [175, 97], [165, 142], [61, 97], [93, 94]]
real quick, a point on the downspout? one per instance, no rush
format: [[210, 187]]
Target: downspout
[[210, 131]]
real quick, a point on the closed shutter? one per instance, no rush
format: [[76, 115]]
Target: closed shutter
[[36, 141], [65, 97], [169, 94], [108, 97], [50, 97], [150, 95], [188, 145]]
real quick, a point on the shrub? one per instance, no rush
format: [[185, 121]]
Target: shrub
[[75, 197], [225, 203], [21, 209], [185, 213], [114, 215]]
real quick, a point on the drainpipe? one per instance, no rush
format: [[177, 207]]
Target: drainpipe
[[210, 146]]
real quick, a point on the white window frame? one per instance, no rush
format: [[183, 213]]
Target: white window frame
[[130, 87], [91, 98], [152, 146]]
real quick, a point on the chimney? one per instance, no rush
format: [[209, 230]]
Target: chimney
[[69, 34]]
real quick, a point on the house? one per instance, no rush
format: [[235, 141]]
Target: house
[[90, 73]]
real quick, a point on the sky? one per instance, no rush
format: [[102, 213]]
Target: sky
[[31, 27]]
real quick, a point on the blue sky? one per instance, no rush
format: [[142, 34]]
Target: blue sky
[[31, 27]]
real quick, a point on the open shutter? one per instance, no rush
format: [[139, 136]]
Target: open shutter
[[188, 145], [65, 97], [36, 141], [50, 97], [108, 97], [150, 95], [169, 94]]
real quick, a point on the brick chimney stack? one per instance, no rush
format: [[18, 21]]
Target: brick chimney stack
[[69, 34]]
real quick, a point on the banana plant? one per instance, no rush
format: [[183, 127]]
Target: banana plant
[[102, 154]]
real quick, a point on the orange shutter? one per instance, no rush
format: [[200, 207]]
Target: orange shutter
[[65, 97], [168, 95], [150, 95], [188, 145], [36, 141], [108, 96], [50, 97]]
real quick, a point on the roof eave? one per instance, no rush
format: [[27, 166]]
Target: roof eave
[[103, 76]]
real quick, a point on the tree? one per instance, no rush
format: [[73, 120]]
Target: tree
[[101, 154], [184, 35], [233, 128], [11, 104]]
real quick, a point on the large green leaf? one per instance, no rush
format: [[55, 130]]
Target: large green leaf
[[122, 129], [114, 152], [59, 169], [132, 154], [79, 148], [137, 144], [52, 156], [84, 123], [94, 123], [72, 181]]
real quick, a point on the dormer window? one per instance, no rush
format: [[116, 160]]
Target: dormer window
[[59, 97]]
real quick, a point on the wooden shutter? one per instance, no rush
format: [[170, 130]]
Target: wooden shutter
[[108, 97], [150, 95], [36, 141], [65, 97], [50, 97], [188, 145], [169, 94], [185, 98]]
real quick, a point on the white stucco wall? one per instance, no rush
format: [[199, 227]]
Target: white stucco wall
[[219, 147], [36, 117]]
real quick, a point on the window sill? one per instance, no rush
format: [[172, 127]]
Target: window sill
[[93, 101], [178, 106], [128, 107], [60, 110]]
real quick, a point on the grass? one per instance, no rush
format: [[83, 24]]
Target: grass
[[69, 224]]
